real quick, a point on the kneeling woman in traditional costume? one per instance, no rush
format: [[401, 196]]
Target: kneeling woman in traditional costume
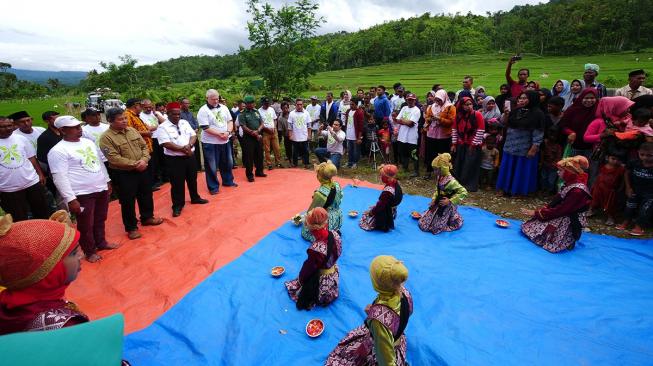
[[442, 214], [38, 260], [558, 225], [327, 196], [318, 279], [380, 340], [382, 215]]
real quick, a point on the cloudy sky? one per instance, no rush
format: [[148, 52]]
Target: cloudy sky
[[77, 34]]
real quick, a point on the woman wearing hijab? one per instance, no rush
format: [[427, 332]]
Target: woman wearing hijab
[[575, 120], [561, 88], [558, 225], [381, 339], [490, 111], [382, 215], [38, 260], [318, 279], [344, 106], [518, 169], [575, 88], [545, 95], [439, 117], [504, 95], [467, 138], [328, 196]]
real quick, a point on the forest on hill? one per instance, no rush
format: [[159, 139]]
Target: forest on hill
[[559, 27]]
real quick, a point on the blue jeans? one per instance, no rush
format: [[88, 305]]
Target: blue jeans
[[322, 155], [354, 152], [218, 156]]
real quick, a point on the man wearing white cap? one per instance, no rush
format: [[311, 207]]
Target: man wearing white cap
[[82, 181], [21, 178]]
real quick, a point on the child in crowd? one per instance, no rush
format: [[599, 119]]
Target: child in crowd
[[558, 225], [494, 129], [489, 161], [382, 215], [639, 191], [442, 214], [551, 154], [318, 279], [385, 141], [641, 122], [606, 187], [381, 340], [394, 136]]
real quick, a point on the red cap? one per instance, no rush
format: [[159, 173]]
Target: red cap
[[173, 105]]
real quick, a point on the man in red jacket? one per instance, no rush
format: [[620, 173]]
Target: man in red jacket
[[354, 133]]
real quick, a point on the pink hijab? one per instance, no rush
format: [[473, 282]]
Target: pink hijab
[[435, 107], [613, 108]]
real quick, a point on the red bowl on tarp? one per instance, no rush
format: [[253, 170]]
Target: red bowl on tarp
[[502, 223], [314, 328]]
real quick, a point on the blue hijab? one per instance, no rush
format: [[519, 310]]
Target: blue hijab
[[566, 88]]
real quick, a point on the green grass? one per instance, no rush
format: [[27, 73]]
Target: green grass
[[36, 107], [419, 76], [487, 70]]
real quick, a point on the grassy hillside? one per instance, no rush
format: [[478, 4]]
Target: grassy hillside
[[36, 107], [487, 70]]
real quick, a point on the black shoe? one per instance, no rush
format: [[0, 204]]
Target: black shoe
[[262, 175], [199, 201], [250, 179], [176, 212], [213, 193], [230, 185]]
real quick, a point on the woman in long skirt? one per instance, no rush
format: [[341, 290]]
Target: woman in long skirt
[[328, 196], [442, 214], [382, 215], [557, 226], [466, 139], [318, 279], [381, 339]]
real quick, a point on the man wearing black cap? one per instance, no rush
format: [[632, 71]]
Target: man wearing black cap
[[270, 141], [93, 128], [23, 122], [250, 121], [635, 86], [44, 144]]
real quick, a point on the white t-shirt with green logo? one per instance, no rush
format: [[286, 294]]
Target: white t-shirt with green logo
[[268, 116], [32, 137], [407, 134], [80, 161], [298, 124], [16, 171], [217, 118]]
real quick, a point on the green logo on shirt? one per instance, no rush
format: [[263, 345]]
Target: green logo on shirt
[[11, 158], [89, 160], [219, 119]]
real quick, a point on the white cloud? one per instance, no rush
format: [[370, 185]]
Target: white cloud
[[78, 34]]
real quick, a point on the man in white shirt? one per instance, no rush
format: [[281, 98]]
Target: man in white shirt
[[270, 139], [398, 98], [177, 138], [21, 178], [329, 110], [298, 121], [635, 86], [152, 119], [408, 119], [314, 110], [23, 121], [216, 123], [93, 128], [335, 138], [83, 182]]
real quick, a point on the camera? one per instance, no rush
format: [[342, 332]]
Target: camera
[[516, 58]]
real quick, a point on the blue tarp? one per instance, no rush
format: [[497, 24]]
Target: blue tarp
[[483, 296]]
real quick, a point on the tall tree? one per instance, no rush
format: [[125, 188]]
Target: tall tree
[[283, 52]]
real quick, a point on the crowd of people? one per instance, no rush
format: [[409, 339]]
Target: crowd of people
[[592, 151]]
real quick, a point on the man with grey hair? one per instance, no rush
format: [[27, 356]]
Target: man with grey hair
[[216, 123]]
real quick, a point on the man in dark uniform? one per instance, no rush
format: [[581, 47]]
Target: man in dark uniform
[[250, 121]]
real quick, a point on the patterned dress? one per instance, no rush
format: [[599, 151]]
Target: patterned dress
[[57, 318], [318, 279], [381, 216], [357, 348], [329, 197], [559, 225], [444, 218]]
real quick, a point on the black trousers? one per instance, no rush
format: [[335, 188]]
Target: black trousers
[[198, 154], [182, 169], [406, 154], [252, 155], [134, 187], [434, 147], [287, 145], [20, 203], [300, 149]]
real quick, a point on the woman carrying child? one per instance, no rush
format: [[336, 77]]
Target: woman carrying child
[[558, 225], [442, 214], [318, 279], [381, 339], [382, 215]]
